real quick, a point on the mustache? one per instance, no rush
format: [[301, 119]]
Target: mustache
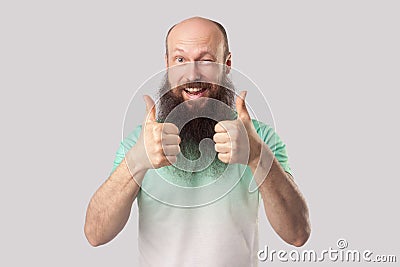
[[201, 85]]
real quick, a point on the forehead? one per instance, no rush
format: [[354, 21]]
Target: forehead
[[195, 37]]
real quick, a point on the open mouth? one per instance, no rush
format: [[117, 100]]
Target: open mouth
[[195, 90], [193, 93]]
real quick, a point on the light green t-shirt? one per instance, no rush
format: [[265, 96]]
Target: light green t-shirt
[[212, 223]]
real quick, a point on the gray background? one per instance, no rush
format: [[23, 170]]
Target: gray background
[[330, 71]]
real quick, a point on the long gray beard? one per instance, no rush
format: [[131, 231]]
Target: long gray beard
[[196, 130]]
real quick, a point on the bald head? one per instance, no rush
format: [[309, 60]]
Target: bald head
[[197, 36]]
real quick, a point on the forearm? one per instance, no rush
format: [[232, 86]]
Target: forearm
[[284, 204], [110, 206]]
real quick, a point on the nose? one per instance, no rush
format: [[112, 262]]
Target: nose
[[192, 72]]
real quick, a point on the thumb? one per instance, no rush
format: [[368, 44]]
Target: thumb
[[150, 108], [241, 108]]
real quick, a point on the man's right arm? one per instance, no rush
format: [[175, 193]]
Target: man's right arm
[[110, 206]]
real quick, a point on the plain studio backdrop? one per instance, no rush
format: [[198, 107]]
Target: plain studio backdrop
[[68, 69]]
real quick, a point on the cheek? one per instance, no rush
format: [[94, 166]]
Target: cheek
[[175, 76], [173, 79], [211, 78], [211, 73]]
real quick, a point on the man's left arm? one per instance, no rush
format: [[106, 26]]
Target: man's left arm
[[284, 204]]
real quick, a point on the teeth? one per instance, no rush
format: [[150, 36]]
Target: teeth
[[193, 90]]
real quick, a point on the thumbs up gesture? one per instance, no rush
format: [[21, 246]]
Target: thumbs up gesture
[[237, 141], [158, 143]]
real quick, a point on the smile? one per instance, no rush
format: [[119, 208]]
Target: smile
[[194, 93]]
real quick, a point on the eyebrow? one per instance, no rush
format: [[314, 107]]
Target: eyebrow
[[200, 55], [179, 50]]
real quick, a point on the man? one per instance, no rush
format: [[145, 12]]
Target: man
[[221, 232]]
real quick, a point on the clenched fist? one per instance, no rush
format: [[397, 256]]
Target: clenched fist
[[237, 141], [158, 143]]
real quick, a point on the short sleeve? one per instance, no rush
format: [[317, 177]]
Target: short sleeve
[[125, 146], [274, 142]]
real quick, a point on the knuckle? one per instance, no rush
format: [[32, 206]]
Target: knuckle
[[215, 137], [223, 157], [175, 128], [163, 138], [172, 159]]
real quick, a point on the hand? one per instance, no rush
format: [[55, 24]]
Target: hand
[[158, 143], [237, 141]]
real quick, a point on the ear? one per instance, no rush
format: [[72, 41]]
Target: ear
[[166, 60], [228, 63]]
